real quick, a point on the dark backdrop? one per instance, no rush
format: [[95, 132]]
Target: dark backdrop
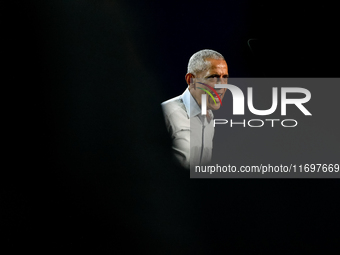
[[87, 163]]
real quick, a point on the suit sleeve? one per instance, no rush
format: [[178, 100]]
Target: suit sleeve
[[181, 147]]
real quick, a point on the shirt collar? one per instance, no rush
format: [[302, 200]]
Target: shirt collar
[[190, 104]]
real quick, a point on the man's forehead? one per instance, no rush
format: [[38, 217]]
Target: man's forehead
[[218, 65]]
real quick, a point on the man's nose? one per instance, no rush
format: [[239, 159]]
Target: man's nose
[[219, 80], [222, 80]]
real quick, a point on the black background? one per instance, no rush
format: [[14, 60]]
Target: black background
[[86, 155]]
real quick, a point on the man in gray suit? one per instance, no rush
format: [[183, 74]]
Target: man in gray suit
[[191, 132]]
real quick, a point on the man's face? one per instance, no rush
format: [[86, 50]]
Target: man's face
[[217, 73]]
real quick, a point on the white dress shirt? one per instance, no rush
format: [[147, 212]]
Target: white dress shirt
[[192, 134]]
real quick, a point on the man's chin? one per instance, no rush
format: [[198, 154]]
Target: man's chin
[[214, 107]]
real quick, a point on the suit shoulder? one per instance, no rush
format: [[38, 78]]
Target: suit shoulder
[[173, 106]]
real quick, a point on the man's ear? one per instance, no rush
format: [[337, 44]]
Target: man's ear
[[189, 79]]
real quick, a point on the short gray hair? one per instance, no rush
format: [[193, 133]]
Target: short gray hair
[[198, 62]]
